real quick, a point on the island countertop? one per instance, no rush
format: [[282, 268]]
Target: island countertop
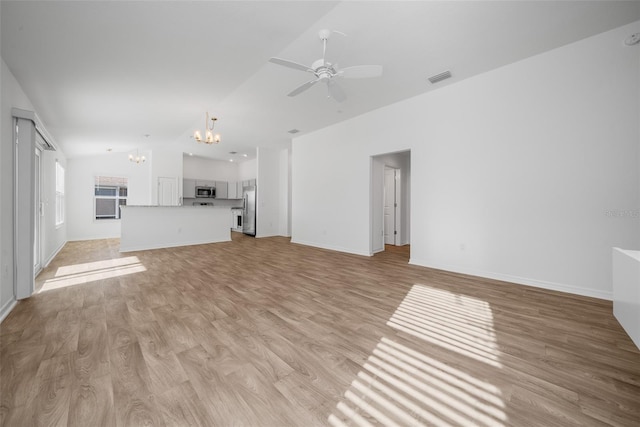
[[154, 227], [180, 206]]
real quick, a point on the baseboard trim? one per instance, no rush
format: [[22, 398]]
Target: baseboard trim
[[331, 248], [551, 286], [6, 308], [56, 252]]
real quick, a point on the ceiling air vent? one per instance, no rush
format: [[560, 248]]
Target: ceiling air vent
[[440, 77], [293, 131]]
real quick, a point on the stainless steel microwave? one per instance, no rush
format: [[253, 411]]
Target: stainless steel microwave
[[209, 192]]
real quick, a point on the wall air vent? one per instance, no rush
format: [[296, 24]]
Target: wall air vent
[[440, 77], [293, 131]]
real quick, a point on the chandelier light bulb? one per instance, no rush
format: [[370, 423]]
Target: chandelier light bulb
[[137, 158], [209, 138]]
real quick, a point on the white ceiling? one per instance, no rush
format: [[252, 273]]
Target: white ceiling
[[102, 74]]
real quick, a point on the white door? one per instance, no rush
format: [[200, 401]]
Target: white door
[[389, 206], [398, 207], [167, 191], [38, 212]]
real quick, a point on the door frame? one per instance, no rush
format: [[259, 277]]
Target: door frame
[[24, 209], [26, 129], [401, 161], [38, 210]]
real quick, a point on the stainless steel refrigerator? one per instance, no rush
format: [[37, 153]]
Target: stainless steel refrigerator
[[249, 210]]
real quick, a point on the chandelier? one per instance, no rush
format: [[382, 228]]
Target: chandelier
[[137, 158], [209, 137]]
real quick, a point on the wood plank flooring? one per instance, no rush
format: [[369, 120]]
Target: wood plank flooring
[[262, 332]]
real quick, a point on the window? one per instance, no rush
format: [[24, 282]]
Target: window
[[109, 194], [59, 194]]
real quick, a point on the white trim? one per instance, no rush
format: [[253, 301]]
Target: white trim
[[56, 252], [19, 113], [6, 308], [332, 248], [84, 239], [552, 286]]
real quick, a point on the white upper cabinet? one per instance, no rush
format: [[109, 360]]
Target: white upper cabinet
[[188, 188], [221, 190], [233, 190]]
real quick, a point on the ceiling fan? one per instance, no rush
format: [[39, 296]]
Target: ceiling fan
[[326, 72]]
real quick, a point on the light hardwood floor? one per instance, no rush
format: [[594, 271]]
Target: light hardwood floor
[[262, 332]]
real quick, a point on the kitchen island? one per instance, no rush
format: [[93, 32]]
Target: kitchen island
[[154, 227]]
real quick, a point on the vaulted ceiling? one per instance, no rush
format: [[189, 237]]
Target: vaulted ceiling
[[103, 74]]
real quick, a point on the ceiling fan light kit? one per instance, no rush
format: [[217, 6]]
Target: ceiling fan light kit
[[326, 72], [209, 137]]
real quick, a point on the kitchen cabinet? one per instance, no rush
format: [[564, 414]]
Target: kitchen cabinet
[[221, 190], [235, 189], [232, 188], [188, 188], [205, 183]]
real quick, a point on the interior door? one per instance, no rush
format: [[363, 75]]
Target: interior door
[[167, 191], [389, 206]]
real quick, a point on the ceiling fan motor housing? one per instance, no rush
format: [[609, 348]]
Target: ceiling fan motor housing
[[323, 70]]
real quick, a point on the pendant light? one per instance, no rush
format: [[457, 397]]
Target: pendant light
[[209, 137]]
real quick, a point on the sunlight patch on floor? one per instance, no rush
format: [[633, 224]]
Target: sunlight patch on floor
[[458, 323], [400, 386], [78, 274]]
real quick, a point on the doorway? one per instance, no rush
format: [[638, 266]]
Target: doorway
[[390, 200]]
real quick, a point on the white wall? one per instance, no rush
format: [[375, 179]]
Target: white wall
[[626, 293], [166, 164], [284, 182], [269, 190], [209, 169], [513, 171], [80, 188], [247, 170]]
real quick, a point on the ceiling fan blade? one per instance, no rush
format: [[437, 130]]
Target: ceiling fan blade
[[290, 64], [335, 91], [361, 71], [303, 87]]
